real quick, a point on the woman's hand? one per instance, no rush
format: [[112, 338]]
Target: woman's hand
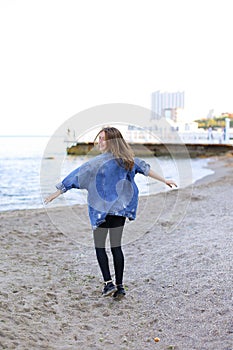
[[52, 196], [156, 176], [170, 183]]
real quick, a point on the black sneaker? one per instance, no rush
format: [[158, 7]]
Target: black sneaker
[[120, 292], [109, 289]]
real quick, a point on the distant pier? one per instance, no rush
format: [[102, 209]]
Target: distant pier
[[192, 150]]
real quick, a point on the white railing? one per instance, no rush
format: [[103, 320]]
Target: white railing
[[216, 137]]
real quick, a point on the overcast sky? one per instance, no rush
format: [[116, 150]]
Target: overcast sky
[[59, 57]]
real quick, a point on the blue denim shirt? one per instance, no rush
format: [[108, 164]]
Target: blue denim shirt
[[111, 188]]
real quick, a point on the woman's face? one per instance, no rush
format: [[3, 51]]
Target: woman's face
[[102, 142]]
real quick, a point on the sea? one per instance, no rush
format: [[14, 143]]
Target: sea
[[30, 167]]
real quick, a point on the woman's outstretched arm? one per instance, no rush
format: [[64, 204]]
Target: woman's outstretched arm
[[155, 176], [52, 196]]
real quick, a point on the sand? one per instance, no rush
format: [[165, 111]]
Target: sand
[[178, 275]]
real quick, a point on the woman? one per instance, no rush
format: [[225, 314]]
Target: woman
[[112, 197]]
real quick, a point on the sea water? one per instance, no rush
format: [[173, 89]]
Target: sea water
[[28, 174]]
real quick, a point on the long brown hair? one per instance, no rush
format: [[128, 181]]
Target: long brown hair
[[117, 145]]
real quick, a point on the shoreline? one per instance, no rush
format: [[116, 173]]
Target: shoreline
[[220, 165], [54, 205], [178, 274], [216, 164]]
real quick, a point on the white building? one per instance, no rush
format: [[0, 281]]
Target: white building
[[167, 104]]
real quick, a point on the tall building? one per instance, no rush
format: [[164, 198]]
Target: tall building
[[167, 104]]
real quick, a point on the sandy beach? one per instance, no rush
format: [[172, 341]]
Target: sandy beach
[[178, 275]]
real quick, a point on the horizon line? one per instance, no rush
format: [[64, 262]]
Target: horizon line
[[22, 135]]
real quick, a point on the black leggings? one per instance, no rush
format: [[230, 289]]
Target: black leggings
[[114, 225]]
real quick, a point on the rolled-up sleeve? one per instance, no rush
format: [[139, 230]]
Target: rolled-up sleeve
[[78, 178], [141, 167], [61, 187]]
